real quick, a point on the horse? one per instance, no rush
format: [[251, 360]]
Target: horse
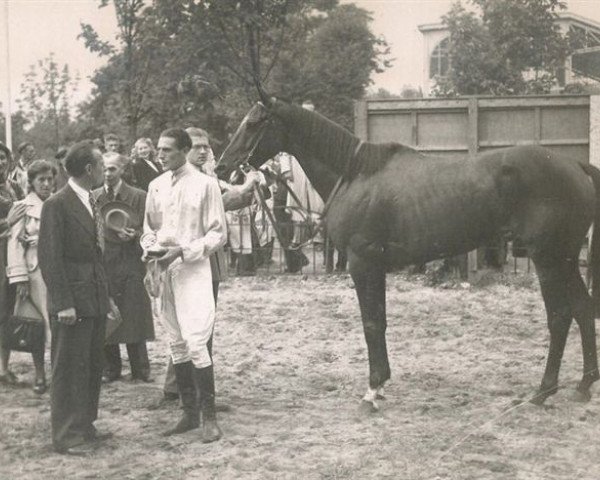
[[391, 206]]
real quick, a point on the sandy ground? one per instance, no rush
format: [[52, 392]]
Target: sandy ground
[[291, 362]]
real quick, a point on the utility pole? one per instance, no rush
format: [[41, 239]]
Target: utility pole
[[8, 99]]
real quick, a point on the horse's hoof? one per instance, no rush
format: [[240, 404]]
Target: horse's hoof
[[367, 408], [581, 396]]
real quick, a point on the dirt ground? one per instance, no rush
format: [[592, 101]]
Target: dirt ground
[[291, 362]]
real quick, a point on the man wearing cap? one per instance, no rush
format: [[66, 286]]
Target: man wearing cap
[[122, 209], [184, 224]]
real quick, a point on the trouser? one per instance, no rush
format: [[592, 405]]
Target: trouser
[[77, 360], [138, 360], [170, 381]]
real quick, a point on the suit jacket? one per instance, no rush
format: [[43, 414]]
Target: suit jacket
[[69, 258], [125, 271], [143, 174]]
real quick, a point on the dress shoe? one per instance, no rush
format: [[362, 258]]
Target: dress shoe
[[110, 377], [142, 377], [81, 450], [96, 436], [222, 408]]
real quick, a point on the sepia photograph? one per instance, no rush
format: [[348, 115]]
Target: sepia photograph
[[299, 239]]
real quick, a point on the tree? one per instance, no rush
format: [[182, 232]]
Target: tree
[[124, 89], [46, 99], [333, 65], [508, 47], [203, 60]]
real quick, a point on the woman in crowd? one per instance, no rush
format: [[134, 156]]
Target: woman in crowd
[[9, 194], [23, 268], [145, 166]]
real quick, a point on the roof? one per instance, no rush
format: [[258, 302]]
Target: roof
[[565, 16], [579, 19]]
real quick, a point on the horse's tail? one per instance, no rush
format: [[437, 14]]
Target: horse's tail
[[594, 257]]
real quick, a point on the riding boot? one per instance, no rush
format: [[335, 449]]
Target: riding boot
[[205, 379], [184, 374]]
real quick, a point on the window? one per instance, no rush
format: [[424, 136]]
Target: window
[[439, 63]]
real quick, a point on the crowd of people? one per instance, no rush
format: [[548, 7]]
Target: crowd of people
[[98, 246]]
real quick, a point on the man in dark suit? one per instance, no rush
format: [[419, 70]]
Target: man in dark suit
[[70, 257], [125, 270]]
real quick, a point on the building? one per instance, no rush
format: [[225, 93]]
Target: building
[[583, 65]]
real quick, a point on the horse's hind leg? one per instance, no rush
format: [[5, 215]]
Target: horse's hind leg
[[582, 309], [369, 280], [553, 282]]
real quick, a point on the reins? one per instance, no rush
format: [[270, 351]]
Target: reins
[[307, 213]]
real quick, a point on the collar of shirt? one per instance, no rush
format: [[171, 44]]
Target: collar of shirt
[[82, 194], [176, 175], [116, 188]]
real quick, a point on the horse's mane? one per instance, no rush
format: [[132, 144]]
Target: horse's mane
[[372, 157], [339, 145]]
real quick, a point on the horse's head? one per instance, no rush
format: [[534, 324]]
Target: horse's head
[[259, 137]]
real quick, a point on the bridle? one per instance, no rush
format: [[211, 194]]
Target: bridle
[[307, 213]]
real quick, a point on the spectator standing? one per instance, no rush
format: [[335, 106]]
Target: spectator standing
[[10, 192], [22, 269], [112, 143], [125, 271], [27, 153], [70, 258], [144, 164]]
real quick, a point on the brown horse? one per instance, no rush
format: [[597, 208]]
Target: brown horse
[[393, 207]]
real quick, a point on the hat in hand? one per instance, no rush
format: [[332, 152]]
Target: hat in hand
[[117, 216]]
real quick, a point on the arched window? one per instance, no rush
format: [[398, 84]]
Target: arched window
[[439, 62]]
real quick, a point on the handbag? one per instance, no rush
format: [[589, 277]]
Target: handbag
[[24, 331]]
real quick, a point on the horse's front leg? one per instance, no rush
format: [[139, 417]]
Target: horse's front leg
[[369, 280]]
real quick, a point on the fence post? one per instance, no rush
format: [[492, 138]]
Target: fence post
[[594, 156], [473, 139], [361, 126]]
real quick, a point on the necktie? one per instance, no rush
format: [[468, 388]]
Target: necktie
[[98, 224], [110, 193]]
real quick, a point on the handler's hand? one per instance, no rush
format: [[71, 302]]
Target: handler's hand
[[252, 178], [126, 234], [172, 254], [68, 316], [15, 214], [23, 290]]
